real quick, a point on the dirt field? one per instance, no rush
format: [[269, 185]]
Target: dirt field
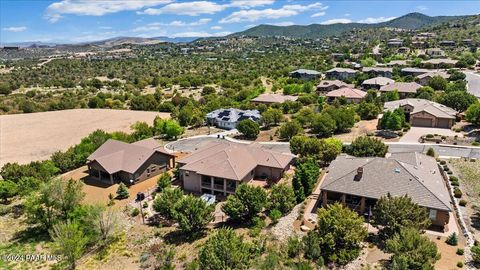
[[35, 136]]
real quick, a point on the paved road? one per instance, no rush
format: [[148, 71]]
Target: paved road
[[473, 85], [189, 145]]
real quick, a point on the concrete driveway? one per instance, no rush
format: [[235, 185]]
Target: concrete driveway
[[415, 133], [473, 83]]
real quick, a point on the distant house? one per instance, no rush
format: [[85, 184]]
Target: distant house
[[425, 78], [329, 85], [397, 63], [376, 83], [117, 161], [414, 71], [394, 42], [440, 62], [424, 113], [219, 167], [379, 71], [269, 98], [341, 73], [403, 50], [305, 74], [359, 183], [338, 56], [435, 52], [352, 95], [229, 118], [447, 43], [404, 89]]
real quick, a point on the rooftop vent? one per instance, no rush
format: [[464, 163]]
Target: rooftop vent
[[359, 174]]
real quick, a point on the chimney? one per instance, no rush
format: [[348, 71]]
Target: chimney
[[359, 174]]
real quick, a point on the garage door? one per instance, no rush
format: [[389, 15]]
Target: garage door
[[421, 122], [443, 123]]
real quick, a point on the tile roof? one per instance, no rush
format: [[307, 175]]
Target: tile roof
[[442, 74], [232, 160], [347, 92], [306, 71], [115, 156], [378, 81], [337, 83], [273, 98], [341, 70], [413, 174], [401, 87], [423, 105]]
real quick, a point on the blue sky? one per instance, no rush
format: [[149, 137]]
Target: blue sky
[[86, 20]]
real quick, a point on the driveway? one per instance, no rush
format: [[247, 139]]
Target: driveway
[[473, 85], [414, 134]]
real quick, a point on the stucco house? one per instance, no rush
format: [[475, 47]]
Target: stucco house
[[117, 161], [352, 95], [424, 113], [220, 166], [329, 85], [404, 89], [229, 118], [341, 73], [376, 83], [379, 71], [425, 78], [359, 182], [272, 98], [305, 74]]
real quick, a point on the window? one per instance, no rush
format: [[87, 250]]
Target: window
[[432, 214], [153, 168]]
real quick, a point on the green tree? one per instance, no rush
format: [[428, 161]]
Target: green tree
[[249, 128], [472, 114], [458, 100], [272, 117], [282, 198], [367, 147], [344, 117], [323, 125], [289, 129], [306, 175], [173, 129], [165, 201], [475, 254], [368, 111], [122, 192], [341, 233], [391, 214], [192, 214], [438, 83], [304, 116], [225, 250], [70, 241], [164, 181], [8, 189], [245, 203], [411, 250]]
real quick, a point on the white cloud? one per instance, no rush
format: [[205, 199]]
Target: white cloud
[[376, 20], [246, 4], [334, 21], [182, 23], [318, 14], [216, 27], [15, 29], [422, 8], [105, 27], [186, 8], [282, 23], [96, 8], [200, 34], [252, 15]]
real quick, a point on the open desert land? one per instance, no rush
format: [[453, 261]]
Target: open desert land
[[35, 136]]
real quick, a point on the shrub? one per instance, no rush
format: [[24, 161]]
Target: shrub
[[246, 203], [457, 192], [249, 128], [452, 239], [475, 253], [443, 162], [282, 198], [449, 172], [274, 215], [462, 203], [460, 251], [135, 212], [431, 152], [459, 264], [367, 147], [145, 205], [294, 246], [164, 181], [192, 214], [122, 192], [429, 136], [455, 183], [453, 178]]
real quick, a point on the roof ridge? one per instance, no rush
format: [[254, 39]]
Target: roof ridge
[[415, 177], [374, 158]]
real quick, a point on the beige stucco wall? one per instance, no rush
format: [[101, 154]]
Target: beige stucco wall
[[161, 161]]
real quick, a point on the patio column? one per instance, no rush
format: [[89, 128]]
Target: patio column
[[324, 198], [362, 205], [344, 198], [111, 179], [224, 187], [99, 175], [211, 185]]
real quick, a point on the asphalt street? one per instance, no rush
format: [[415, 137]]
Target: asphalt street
[[473, 84]]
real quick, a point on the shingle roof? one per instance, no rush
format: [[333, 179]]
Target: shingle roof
[[233, 115], [232, 160], [442, 74], [341, 70], [337, 83], [377, 69], [423, 105], [273, 98], [440, 61], [378, 81], [115, 156], [347, 92], [306, 71], [412, 174], [401, 87]]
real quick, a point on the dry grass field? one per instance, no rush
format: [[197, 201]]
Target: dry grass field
[[35, 136]]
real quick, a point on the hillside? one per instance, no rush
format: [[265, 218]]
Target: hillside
[[410, 21]]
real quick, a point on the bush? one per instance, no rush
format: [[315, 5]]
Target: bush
[[455, 183], [457, 192], [122, 192], [274, 215], [429, 136], [449, 172], [462, 203], [460, 251], [459, 264], [192, 214], [135, 212], [246, 203], [164, 181], [294, 246], [431, 152], [443, 162], [475, 253], [249, 128], [452, 239], [367, 147], [453, 178], [282, 198]]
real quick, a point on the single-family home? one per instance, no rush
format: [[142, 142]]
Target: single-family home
[[359, 182], [117, 161], [271, 98], [435, 52], [379, 71], [440, 62], [403, 50], [229, 118], [425, 78], [424, 113], [341, 73], [414, 71], [404, 89], [397, 63], [305, 74], [376, 83], [329, 85], [338, 56], [447, 43], [394, 42], [220, 166], [352, 95]]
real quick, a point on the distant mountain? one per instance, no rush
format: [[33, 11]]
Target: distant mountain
[[410, 21], [176, 39], [29, 44]]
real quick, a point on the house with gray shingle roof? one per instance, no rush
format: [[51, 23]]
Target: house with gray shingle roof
[[229, 118], [220, 166], [341, 73], [305, 74], [116, 161], [360, 182]]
